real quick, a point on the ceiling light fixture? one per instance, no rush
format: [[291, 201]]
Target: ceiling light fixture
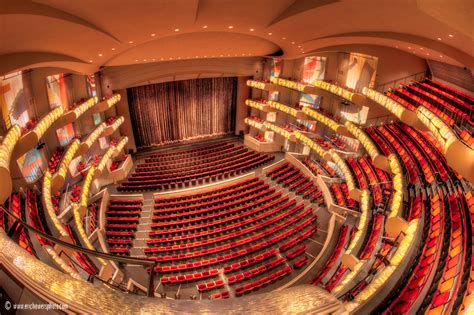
[[441, 56], [270, 33], [130, 42], [252, 29], [451, 35], [144, 59], [409, 47], [205, 26], [113, 48], [292, 43], [100, 55], [283, 38], [153, 35], [153, 59], [231, 27], [439, 38], [90, 60], [136, 60], [176, 29]]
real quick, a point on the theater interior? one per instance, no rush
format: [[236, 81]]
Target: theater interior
[[236, 157]]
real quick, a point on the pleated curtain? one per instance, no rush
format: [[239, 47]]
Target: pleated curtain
[[177, 111]]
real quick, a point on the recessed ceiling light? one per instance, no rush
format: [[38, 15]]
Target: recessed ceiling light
[[299, 45], [153, 35], [197, 56], [439, 38], [171, 58], [130, 42], [292, 43], [136, 60], [144, 59], [450, 35], [205, 26], [113, 48], [176, 29], [303, 52], [231, 27], [283, 38], [252, 29], [421, 48], [222, 55], [205, 56], [100, 55], [90, 60], [270, 33]]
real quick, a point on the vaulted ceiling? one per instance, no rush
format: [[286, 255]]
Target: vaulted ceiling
[[87, 34]]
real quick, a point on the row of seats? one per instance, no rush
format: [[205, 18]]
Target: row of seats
[[368, 176], [36, 214], [340, 194], [83, 260], [335, 255], [55, 160], [202, 171], [122, 217], [172, 155], [319, 168], [291, 177], [17, 205]]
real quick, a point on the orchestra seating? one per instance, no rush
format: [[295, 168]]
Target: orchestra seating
[[292, 178], [190, 167], [248, 229], [122, 218]]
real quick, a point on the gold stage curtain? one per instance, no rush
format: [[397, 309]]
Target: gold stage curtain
[[177, 111]]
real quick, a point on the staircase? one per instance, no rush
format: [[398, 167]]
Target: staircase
[[143, 228]]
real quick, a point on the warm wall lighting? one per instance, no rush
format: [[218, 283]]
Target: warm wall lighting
[[252, 29]]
